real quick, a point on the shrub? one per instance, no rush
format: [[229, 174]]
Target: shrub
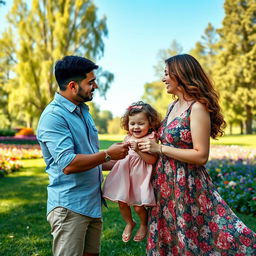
[[7, 132]]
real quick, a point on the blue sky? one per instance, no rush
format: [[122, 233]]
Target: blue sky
[[138, 29]]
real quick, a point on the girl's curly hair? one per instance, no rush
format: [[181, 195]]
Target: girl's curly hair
[[153, 116], [191, 76]]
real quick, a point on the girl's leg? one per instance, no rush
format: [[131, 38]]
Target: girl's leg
[[126, 213], [142, 231]]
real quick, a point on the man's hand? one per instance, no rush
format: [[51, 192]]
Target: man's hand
[[118, 150]]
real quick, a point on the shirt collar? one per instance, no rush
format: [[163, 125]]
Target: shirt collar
[[70, 106]]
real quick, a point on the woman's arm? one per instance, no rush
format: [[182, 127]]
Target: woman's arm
[[200, 131]]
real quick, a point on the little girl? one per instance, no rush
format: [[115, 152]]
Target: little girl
[[129, 181]]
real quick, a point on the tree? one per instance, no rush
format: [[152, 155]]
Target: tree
[[44, 32], [114, 126], [205, 50], [235, 69], [163, 54]]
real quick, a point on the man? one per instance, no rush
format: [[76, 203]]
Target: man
[[69, 142]]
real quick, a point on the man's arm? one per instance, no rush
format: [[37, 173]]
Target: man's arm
[[83, 162]]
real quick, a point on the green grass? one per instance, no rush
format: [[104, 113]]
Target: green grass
[[240, 140]]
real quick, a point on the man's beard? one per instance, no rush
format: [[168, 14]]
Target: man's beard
[[85, 98]]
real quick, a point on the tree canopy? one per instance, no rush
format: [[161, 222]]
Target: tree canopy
[[39, 34]]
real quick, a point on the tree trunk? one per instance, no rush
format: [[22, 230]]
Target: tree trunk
[[230, 128], [248, 122], [241, 127]]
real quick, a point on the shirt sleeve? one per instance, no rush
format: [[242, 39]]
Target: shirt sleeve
[[55, 134]]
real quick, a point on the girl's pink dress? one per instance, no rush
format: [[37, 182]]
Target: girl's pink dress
[[129, 180]]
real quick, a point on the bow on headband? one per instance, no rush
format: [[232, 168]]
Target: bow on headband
[[134, 107]]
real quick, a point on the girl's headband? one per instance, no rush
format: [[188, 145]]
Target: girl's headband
[[135, 107]]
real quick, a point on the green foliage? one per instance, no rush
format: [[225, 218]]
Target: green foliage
[[114, 126], [235, 69], [38, 35], [155, 94], [7, 132]]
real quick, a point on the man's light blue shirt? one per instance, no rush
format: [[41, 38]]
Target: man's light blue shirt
[[62, 133]]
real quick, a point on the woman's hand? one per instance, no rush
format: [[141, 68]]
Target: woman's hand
[[149, 146]]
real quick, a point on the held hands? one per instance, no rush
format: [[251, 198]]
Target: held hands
[[149, 146], [118, 150], [134, 145]]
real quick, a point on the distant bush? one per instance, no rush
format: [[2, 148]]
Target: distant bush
[[7, 132]]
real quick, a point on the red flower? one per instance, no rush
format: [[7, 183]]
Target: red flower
[[175, 251], [186, 135], [161, 179], [177, 192], [182, 181], [245, 240], [213, 226], [200, 220], [223, 241], [221, 210], [247, 231], [198, 183], [174, 124], [205, 247], [187, 217], [165, 191]]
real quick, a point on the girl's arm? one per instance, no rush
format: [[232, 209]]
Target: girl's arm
[[148, 158], [200, 126]]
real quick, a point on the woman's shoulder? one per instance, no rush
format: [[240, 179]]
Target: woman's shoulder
[[198, 106]]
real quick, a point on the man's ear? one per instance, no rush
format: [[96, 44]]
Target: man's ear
[[71, 85]]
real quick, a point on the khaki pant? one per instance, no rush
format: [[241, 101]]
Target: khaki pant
[[73, 233]]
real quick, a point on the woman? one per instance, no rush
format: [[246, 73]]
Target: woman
[[190, 217]]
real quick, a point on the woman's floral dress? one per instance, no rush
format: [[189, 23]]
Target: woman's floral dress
[[190, 217]]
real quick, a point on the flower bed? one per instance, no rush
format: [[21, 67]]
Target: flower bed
[[233, 170], [20, 151], [11, 154], [8, 165]]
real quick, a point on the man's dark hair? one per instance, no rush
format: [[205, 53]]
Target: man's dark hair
[[72, 68]]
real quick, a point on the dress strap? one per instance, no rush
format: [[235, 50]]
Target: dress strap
[[189, 108]]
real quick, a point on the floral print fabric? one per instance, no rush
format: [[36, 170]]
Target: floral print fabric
[[190, 217]]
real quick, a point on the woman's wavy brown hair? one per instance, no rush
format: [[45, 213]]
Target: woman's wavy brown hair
[[153, 116], [197, 85]]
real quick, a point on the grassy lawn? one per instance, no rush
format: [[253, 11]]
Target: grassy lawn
[[23, 222]]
